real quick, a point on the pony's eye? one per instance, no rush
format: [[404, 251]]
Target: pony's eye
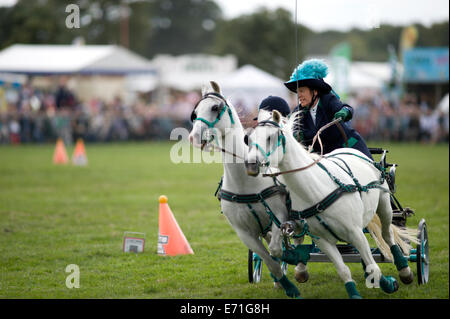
[[193, 116], [215, 108], [246, 139]]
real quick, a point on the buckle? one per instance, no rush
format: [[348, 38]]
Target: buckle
[[318, 209]]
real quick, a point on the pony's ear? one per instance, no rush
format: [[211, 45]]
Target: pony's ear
[[205, 90], [276, 116], [215, 87]]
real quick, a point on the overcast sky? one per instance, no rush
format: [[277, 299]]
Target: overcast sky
[[342, 15]]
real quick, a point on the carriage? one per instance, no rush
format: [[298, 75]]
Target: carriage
[[419, 255]]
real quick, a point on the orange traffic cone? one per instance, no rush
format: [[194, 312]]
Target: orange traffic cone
[[60, 154], [171, 240], [79, 155]]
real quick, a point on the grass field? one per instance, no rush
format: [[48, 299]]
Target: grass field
[[52, 216]]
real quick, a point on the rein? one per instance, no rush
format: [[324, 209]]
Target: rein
[[317, 136], [221, 149]]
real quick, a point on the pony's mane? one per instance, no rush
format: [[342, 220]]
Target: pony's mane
[[288, 129], [264, 115]]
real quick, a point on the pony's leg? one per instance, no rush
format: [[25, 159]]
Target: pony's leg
[[275, 248], [343, 271], [384, 211], [288, 229], [388, 284], [301, 271], [253, 243], [268, 238]]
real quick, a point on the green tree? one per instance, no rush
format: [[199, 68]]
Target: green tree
[[43, 22], [371, 45], [436, 35], [180, 27], [32, 22]]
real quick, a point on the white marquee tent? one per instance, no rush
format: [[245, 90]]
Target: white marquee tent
[[102, 71], [365, 75], [71, 59], [191, 71], [249, 86]]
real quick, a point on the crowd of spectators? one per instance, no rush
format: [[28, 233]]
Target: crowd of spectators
[[29, 115], [410, 119]]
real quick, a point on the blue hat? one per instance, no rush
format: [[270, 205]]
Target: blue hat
[[311, 74], [271, 103]]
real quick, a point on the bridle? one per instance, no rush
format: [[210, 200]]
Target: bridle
[[219, 116], [225, 108], [280, 142]]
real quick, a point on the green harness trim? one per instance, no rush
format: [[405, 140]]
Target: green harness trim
[[338, 192], [249, 199], [212, 124]]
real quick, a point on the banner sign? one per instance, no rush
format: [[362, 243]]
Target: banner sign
[[426, 65]]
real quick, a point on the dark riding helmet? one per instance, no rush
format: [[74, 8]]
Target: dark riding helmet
[[271, 103]]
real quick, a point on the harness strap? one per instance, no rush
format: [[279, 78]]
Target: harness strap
[[321, 206], [322, 222], [250, 198], [333, 196], [305, 231], [263, 230], [378, 165], [269, 212], [256, 198], [349, 172]]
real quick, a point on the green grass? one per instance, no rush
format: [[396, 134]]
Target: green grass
[[52, 216]]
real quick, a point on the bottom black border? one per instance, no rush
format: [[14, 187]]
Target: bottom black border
[[222, 308]]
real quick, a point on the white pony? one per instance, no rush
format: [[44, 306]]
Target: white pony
[[253, 221], [359, 193]]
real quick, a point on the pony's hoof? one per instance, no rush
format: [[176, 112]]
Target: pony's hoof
[[396, 286], [289, 287], [301, 277], [389, 284], [294, 295], [408, 278], [277, 285]]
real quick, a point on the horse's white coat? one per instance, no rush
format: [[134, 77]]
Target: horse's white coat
[[236, 180], [349, 214]]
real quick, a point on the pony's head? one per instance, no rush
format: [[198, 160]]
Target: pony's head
[[266, 144], [211, 116]]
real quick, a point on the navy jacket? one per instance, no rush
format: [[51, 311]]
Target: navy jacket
[[331, 137]]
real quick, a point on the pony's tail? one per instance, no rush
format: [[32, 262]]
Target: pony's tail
[[403, 237]]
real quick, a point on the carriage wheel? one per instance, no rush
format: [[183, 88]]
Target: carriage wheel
[[254, 267], [250, 266], [423, 257], [284, 267]]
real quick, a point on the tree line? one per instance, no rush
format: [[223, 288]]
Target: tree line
[[265, 38]]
